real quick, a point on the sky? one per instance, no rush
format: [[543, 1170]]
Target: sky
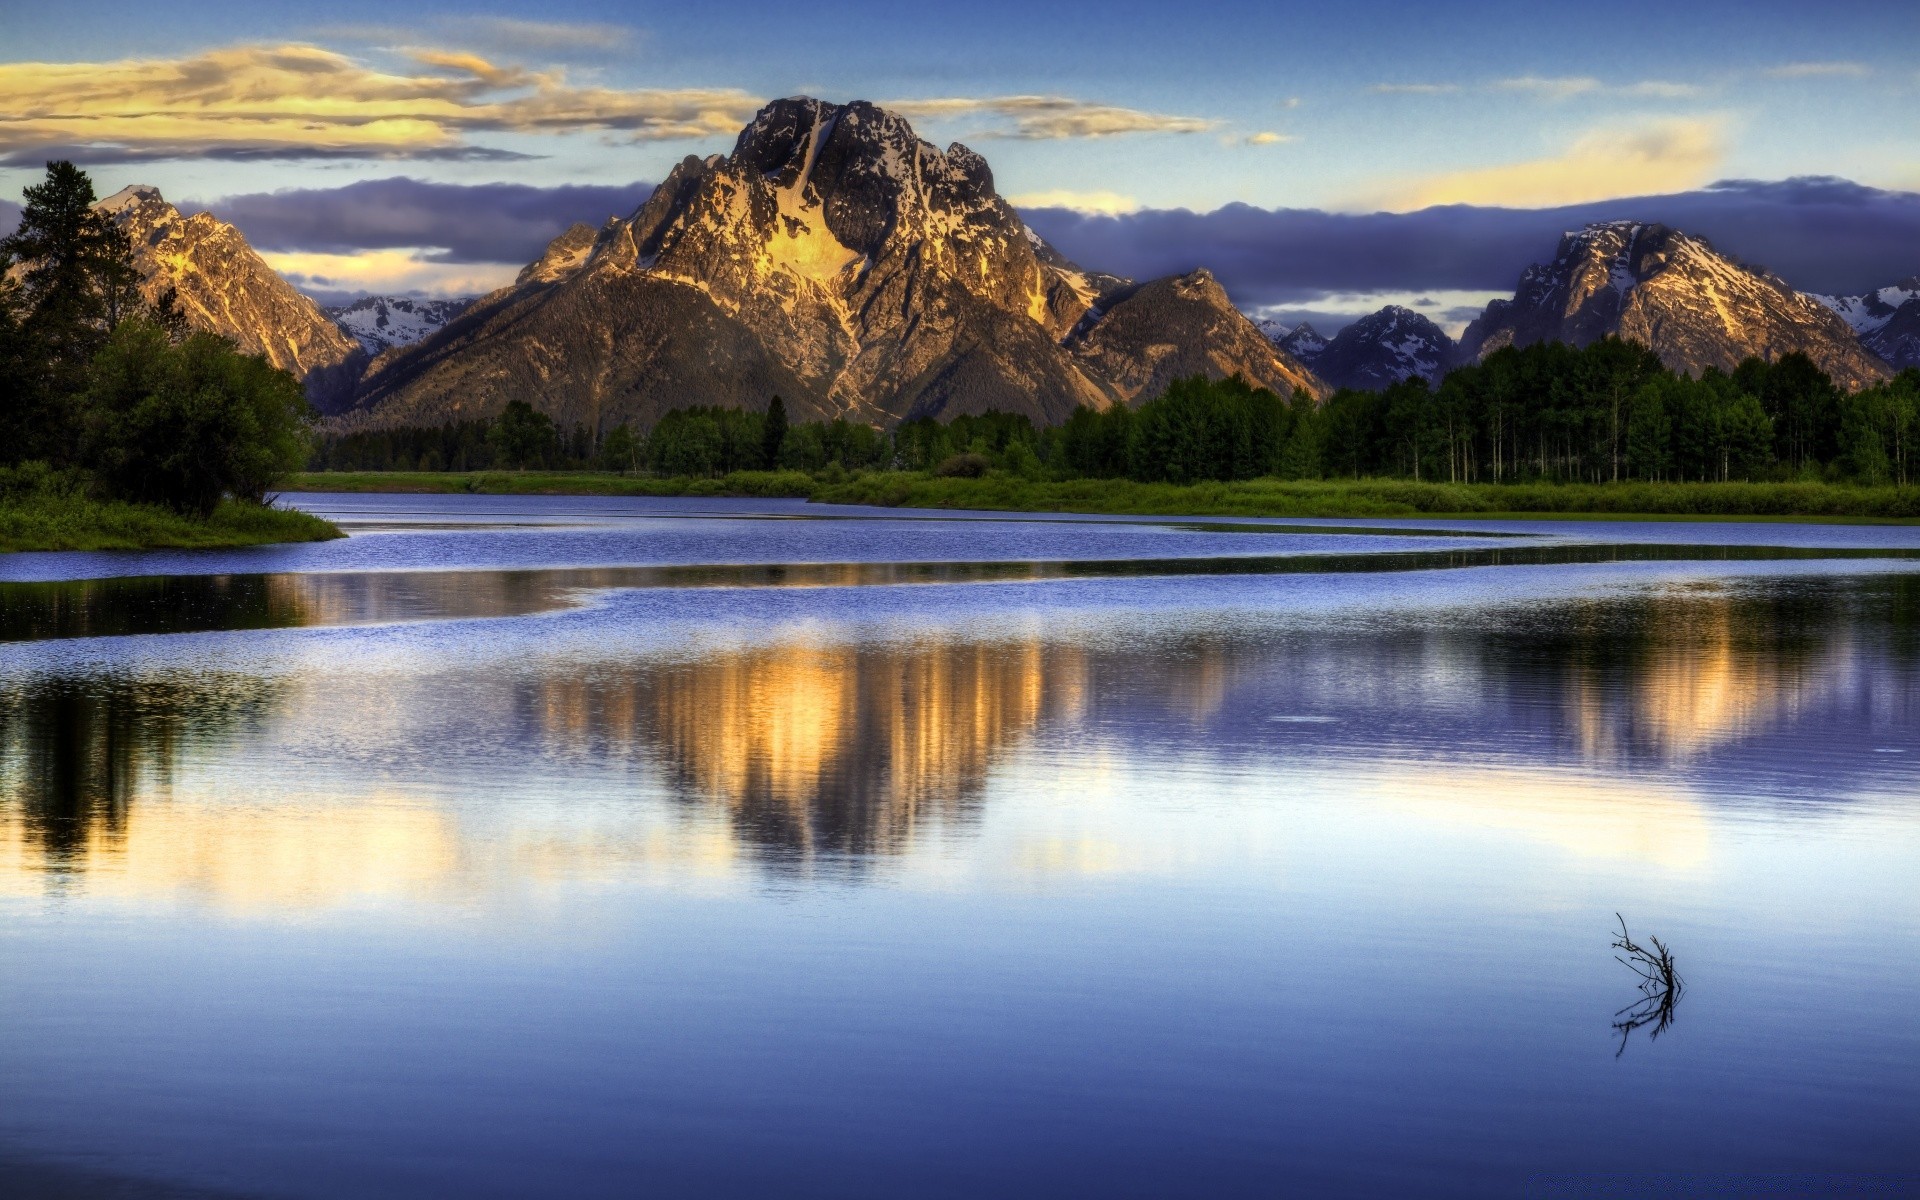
[[431, 148]]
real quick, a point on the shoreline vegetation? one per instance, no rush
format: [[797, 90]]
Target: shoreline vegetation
[[79, 522], [1263, 497], [121, 428]]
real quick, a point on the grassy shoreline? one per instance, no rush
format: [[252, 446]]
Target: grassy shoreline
[[75, 522], [1250, 498]]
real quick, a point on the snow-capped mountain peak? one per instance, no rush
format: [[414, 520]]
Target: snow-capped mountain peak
[[379, 323], [1377, 351], [1869, 312], [1303, 341]]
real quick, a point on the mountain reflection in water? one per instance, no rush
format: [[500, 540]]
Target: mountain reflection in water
[[1568, 721]]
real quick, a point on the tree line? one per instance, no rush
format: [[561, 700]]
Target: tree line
[[1550, 412], [104, 389]]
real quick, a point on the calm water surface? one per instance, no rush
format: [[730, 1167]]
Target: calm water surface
[[551, 847]]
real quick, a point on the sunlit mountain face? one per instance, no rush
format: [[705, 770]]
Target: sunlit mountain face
[[1585, 723]]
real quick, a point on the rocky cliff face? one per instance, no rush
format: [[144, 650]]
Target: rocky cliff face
[[379, 323], [1378, 351], [223, 286], [1675, 294], [1886, 320], [839, 261]]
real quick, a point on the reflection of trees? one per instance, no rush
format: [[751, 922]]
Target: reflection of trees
[[144, 604], [826, 749], [1676, 674], [76, 752]]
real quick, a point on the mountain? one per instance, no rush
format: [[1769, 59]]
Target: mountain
[[1272, 330], [1887, 321], [379, 323], [1303, 341], [1376, 351], [835, 259], [1674, 293], [223, 286]]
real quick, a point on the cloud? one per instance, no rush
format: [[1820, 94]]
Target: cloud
[[1045, 118], [1819, 70], [1102, 203], [1658, 156], [472, 223], [1567, 87], [1820, 234], [1414, 89], [338, 278], [1267, 137], [1551, 89], [299, 101], [9, 217]]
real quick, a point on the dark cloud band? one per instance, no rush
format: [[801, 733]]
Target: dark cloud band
[[479, 223], [1820, 234]]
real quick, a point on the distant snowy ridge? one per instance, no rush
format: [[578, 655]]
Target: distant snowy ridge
[[379, 323]]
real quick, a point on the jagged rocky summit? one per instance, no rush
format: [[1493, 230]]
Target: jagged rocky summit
[[835, 259], [379, 323], [1376, 351], [223, 286], [1674, 293], [1886, 320]]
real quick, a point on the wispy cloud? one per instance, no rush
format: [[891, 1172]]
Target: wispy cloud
[[301, 101], [1045, 118], [1267, 137], [497, 33], [1564, 88], [1658, 156], [1104, 204], [1819, 70], [1567, 87]]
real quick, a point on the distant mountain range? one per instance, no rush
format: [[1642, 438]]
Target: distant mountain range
[[835, 259]]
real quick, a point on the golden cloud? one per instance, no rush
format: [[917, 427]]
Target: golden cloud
[[1044, 118], [298, 101], [1105, 204], [1662, 156], [388, 272]]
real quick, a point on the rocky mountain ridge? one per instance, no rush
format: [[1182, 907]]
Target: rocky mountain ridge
[[223, 286], [835, 259], [1674, 293]]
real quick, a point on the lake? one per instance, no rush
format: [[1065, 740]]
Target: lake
[[530, 846]]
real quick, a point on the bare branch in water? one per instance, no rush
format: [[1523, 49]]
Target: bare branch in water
[[1660, 986]]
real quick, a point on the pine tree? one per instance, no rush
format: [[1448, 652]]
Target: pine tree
[[773, 433]]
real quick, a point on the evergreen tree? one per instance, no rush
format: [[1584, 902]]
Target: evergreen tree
[[773, 433]]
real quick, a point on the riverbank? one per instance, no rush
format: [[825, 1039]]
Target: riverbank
[[75, 522], [1249, 498]]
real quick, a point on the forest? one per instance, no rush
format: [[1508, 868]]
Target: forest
[[1608, 412]]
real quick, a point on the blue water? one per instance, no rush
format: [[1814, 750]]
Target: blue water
[[1132, 884]]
